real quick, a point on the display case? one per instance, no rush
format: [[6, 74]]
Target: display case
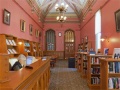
[[9, 45]]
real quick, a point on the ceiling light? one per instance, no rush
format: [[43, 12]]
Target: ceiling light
[[61, 17], [61, 8]]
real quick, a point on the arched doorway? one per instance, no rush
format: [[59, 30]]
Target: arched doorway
[[69, 41]]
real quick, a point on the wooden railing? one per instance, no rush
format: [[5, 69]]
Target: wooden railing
[[60, 54], [29, 79]]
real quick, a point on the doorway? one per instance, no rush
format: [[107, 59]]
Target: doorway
[[69, 44]]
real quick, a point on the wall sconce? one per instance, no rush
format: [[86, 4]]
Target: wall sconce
[[19, 43], [104, 38]]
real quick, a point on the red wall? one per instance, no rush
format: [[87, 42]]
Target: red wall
[[108, 7], [62, 28], [17, 13]]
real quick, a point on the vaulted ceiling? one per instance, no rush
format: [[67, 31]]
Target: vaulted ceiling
[[45, 9]]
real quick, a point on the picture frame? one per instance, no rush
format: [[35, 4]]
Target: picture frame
[[37, 33], [117, 20], [31, 29], [59, 34], [6, 17], [22, 25]]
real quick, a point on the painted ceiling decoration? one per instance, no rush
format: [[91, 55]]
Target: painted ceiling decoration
[[46, 8]]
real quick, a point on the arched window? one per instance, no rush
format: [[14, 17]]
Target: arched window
[[50, 40], [98, 30]]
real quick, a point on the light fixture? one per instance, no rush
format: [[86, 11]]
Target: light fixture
[[61, 17], [20, 43], [104, 38], [61, 7]]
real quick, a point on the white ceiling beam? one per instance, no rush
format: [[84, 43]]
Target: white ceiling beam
[[79, 5], [79, 2], [72, 8], [45, 5], [50, 7]]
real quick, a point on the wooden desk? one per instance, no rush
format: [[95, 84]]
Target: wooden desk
[[29, 79]]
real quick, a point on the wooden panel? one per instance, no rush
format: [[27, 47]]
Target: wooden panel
[[60, 54], [69, 45], [27, 79], [69, 49]]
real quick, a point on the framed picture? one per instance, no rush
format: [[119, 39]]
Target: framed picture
[[22, 25], [117, 20], [37, 33], [59, 34], [31, 29], [6, 17]]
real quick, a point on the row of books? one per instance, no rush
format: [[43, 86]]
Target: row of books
[[95, 70], [10, 42], [114, 67], [85, 57], [114, 83], [84, 64], [34, 50], [95, 60], [27, 50], [95, 80], [11, 51], [26, 44]]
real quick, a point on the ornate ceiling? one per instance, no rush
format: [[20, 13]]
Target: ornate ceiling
[[46, 8]]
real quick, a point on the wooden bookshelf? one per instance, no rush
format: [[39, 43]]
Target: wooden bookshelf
[[34, 48], [84, 61], [9, 45], [93, 71], [106, 74], [39, 50], [87, 44], [78, 61], [25, 47]]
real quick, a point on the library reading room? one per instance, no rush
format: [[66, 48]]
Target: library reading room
[[59, 44]]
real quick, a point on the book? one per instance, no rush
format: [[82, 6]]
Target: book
[[106, 51], [11, 51], [14, 50], [13, 42], [110, 83], [8, 51], [7, 42], [111, 67], [116, 53], [10, 41]]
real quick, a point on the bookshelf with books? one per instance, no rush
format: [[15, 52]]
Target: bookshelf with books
[[84, 61], [93, 71], [87, 44], [110, 74], [9, 45], [25, 47], [40, 52], [78, 61], [33, 48]]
